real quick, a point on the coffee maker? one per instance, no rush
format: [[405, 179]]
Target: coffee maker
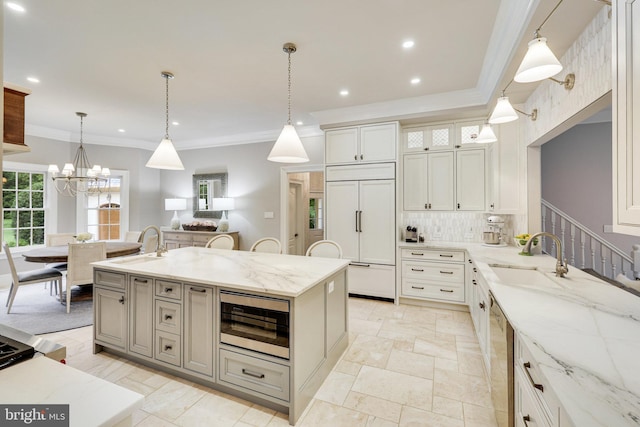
[[493, 235]]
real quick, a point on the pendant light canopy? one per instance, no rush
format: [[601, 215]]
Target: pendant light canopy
[[288, 147], [486, 135], [539, 63], [165, 156]]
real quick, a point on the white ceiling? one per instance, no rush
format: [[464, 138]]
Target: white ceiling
[[105, 58]]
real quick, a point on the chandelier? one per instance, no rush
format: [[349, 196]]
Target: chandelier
[[79, 176]]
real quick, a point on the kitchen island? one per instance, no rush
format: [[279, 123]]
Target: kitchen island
[[171, 313]]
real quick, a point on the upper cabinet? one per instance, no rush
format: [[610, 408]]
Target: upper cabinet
[[506, 187], [13, 132], [361, 144], [444, 136], [626, 121]]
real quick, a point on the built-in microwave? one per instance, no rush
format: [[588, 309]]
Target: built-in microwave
[[255, 323]]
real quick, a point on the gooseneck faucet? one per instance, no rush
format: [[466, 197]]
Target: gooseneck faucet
[[160, 249], [561, 268]]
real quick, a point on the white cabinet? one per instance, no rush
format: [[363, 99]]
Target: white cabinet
[[371, 143], [626, 121], [198, 329], [478, 292], [428, 138], [506, 171], [428, 181], [360, 214], [470, 180], [110, 317], [437, 275], [141, 326]]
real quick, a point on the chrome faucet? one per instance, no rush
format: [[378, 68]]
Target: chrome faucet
[[561, 268], [160, 249]]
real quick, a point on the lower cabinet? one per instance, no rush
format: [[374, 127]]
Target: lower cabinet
[[141, 315], [110, 317], [433, 275], [198, 329], [478, 292]]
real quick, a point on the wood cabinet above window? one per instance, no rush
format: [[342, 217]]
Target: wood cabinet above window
[[13, 132]]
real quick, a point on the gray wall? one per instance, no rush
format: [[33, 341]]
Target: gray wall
[[577, 178]]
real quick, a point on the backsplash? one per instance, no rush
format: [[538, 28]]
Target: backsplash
[[454, 226]]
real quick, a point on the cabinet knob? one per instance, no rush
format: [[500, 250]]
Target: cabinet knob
[[492, 205], [361, 157], [482, 305], [168, 290], [426, 148], [426, 205], [458, 146], [121, 300], [474, 281], [355, 157], [429, 205], [167, 347], [458, 205], [168, 317]]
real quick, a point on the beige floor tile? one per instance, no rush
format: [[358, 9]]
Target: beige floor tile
[[411, 363], [212, 410], [463, 387], [347, 367], [412, 417], [453, 327], [471, 363], [335, 388], [153, 421], [406, 327], [396, 387], [446, 364], [448, 407], [369, 350], [379, 422], [172, 399], [366, 327], [258, 416], [373, 406], [326, 414], [420, 315], [480, 415], [437, 346]]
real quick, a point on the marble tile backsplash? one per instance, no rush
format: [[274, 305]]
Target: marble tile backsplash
[[454, 226]]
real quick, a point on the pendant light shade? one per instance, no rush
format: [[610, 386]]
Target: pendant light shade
[[504, 112], [288, 147], [538, 64], [486, 135], [166, 156]]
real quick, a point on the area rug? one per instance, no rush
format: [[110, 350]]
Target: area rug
[[37, 312]]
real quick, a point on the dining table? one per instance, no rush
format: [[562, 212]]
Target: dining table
[[51, 254]]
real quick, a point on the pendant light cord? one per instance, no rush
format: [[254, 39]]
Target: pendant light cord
[[537, 34], [166, 129], [289, 90]]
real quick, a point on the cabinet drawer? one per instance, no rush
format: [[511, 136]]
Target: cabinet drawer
[[167, 348], [438, 272], [424, 289], [535, 381], [201, 239], [527, 412], [255, 374], [430, 254], [111, 279], [171, 290], [178, 237], [168, 315]]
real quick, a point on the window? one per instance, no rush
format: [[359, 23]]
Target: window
[[315, 213], [105, 214], [23, 212]]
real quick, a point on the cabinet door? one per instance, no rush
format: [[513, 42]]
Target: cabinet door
[[376, 217], [626, 122], [378, 142], [414, 182], [440, 181], [110, 317], [470, 186], [141, 315], [341, 216], [198, 329], [439, 137], [341, 146]]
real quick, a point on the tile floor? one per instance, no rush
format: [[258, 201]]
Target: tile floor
[[405, 366]]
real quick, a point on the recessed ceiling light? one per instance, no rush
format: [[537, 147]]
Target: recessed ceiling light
[[175, 123], [344, 92], [299, 123], [408, 44], [15, 6], [33, 79], [415, 80], [121, 130]]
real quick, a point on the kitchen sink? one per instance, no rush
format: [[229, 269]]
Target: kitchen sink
[[519, 275], [137, 260]]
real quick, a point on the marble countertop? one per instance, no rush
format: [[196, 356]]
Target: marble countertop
[[92, 401], [584, 333], [284, 275]]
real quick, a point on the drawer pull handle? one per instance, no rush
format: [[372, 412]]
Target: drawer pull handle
[[446, 290], [168, 347], [475, 270], [446, 272], [446, 256], [357, 264], [482, 305], [121, 300], [198, 290], [168, 290], [418, 287], [417, 253], [527, 366], [252, 374], [417, 269], [526, 420], [140, 280], [168, 317]]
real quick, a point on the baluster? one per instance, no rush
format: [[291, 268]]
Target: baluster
[[582, 241], [544, 217], [573, 246], [613, 266], [593, 253], [603, 258], [563, 223]]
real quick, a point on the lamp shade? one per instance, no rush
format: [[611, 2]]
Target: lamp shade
[[223, 204], [165, 157], [288, 147], [503, 112], [175, 204], [538, 64], [486, 135]]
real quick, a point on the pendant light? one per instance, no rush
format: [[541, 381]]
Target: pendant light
[[503, 112], [486, 135], [165, 156], [288, 147]]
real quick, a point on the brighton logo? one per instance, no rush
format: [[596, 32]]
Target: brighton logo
[[34, 415]]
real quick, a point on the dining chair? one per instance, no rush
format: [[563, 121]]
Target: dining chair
[[132, 236], [28, 277], [221, 241], [267, 245], [80, 270], [58, 239], [325, 249]]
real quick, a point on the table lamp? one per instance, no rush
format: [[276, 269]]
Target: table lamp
[[175, 205], [223, 204]]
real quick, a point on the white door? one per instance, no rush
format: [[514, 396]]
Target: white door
[[294, 243], [378, 142], [341, 145], [440, 181], [341, 218], [470, 188], [377, 219], [414, 182]]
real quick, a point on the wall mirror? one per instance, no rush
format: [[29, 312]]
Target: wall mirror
[[206, 187]]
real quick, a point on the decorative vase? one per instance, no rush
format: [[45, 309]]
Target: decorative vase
[[223, 224], [175, 221]]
